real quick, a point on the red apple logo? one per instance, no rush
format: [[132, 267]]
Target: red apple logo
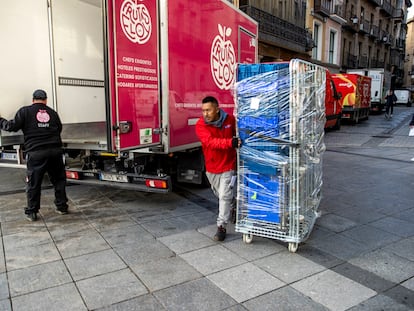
[[135, 21], [223, 59], [42, 116]]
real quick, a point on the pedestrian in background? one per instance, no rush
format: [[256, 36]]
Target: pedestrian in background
[[217, 133], [41, 127], [390, 100]]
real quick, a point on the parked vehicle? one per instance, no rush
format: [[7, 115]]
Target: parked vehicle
[[380, 83], [127, 78], [355, 93], [403, 97], [333, 107]]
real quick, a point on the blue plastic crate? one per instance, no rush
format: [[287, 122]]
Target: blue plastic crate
[[248, 70], [262, 197]]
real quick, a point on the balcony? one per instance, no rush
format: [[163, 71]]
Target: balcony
[[279, 32], [338, 14], [374, 32], [352, 23], [377, 3], [350, 61], [363, 61], [399, 43], [387, 7], [322, 7], [398, 15], [364, 26]]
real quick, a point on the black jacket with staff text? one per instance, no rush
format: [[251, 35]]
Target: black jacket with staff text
[[40, 124]]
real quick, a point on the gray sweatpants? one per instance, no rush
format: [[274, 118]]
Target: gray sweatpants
[[223, 190]]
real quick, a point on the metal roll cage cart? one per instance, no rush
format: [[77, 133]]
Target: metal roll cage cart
[[280, 112]]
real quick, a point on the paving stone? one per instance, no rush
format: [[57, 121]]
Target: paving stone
[[401, 295], [371, 237], [386, 265], [339, 246], [165, 272], [288, 267], [363, 277], [2, 261], [259, 248], [245, 282], [63, 298], [380, 302], [113, 222], [409, 284], [22, 257], [212, 259], [89, 265], [81, 243], [23, 238], [4, 288], [317, 256], [110, 288], [143, 251], [5, 305], [395, 226], [38, 277], [335, 223], [142, 303], [286, 299], [333, 290], [403, 248], [236, 308], [186, 241], [200, 295], [128, 235]]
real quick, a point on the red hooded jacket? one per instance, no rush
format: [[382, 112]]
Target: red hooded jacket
[[219, 154]]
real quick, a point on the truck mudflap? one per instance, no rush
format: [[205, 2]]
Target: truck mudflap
[[139, 182]]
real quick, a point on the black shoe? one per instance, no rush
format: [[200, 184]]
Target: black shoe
[[31, 216], [61, 212], [220, 234]]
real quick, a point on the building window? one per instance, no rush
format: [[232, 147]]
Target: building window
[[332, 47], [316, 51]]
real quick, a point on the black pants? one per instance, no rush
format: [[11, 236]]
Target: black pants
[[389, 108], [38, 163]]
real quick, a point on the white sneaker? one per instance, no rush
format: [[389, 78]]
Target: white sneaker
[[412, 159]]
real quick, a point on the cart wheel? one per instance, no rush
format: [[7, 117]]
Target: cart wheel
[[247, 238], [293, 247]]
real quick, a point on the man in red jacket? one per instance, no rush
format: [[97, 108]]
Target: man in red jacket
[[217, 133]]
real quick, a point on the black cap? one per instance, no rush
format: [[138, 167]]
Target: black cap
[[39, 94]]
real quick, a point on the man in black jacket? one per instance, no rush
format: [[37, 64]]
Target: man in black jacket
[[41, 127]]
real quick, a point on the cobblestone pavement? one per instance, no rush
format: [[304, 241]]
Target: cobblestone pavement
[[125, 250]]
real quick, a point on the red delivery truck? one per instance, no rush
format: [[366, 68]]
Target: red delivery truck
[[355, 91], [333, 107], [127, 78]]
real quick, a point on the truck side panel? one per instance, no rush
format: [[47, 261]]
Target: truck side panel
[[204, 45], [355, 90]]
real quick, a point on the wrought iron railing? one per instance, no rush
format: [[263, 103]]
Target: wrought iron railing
[[280, 32]]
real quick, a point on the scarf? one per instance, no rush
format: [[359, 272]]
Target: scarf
[[220, 121]]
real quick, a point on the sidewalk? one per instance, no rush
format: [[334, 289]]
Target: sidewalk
[[124, 250]]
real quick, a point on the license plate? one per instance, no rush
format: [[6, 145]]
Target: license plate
[[114, 177], [8, 156]]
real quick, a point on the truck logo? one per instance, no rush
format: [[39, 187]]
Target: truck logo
[[135, 21], [223, 59]]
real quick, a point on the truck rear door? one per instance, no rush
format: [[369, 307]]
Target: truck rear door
[[134, 73]]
